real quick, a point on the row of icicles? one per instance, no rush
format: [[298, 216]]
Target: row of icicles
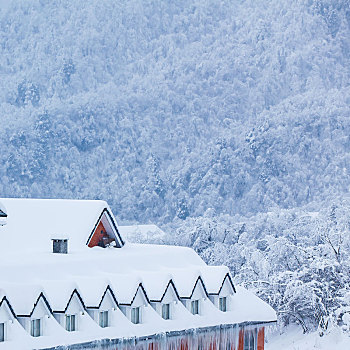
[[213, 338]]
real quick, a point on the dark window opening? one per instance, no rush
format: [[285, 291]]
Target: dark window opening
[[166, 311], [223, 304], [136, 315], [2, 332], [35, 328], [71, 323], [103, 319], [195, 307]]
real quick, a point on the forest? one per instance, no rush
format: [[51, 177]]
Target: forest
[[225, 122]]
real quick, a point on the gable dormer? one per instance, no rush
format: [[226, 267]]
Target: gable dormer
[[6, 311], [199, 291], [134, 311], [170, 293], [35, 322], [41, 308], [108, 300], [103, 313], [223, 298], [75, 304], [105, 232], [7, 316], [165, 306], [194, 302], [70, 316], [227, 287]]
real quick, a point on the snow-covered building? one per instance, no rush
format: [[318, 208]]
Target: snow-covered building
[[68, 280]]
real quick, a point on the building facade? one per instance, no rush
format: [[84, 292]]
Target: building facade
[[69, 281]]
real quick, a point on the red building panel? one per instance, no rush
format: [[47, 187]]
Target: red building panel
[[261, 338], [98, 235]]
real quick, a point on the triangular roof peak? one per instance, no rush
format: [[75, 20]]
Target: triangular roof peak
[[75, 295], [41, 299], [107, 291], [229, 279], [140, 289], [199, 281], [105, 232], [170, 285], [5, 302]]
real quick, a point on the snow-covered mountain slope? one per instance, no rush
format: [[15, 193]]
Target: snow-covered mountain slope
[[166, 109]]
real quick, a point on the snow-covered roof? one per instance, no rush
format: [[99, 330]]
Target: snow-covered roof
[[28, 266], [34, 222]]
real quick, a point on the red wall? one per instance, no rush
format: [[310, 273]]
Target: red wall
[[96, 235], [261, 338], [241, 340]]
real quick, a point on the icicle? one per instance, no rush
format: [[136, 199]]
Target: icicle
[[224, 337]]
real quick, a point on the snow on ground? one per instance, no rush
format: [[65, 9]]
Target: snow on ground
[[294, 339]]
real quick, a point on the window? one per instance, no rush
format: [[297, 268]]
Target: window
[[195, 307], [71, 323], [2, 332], [60, 246], [166, 311], [35, 326], [103, 319], [135, 315], [223, 304], [249, 340]]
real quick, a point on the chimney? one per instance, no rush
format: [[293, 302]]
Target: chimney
[[60, 245]]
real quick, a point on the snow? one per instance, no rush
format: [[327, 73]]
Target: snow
[[28, 267], [34, 222], [2, 214], [141, 233], [294, 339], [2, 209], [214, 276]]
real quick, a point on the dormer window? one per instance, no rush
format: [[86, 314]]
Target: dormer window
[[60, 246], [71, 323], [2, 332], [105, 234], [136, 315], [35, 327], [103, 319], [195, 307], [166, 311], [223, 304]]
